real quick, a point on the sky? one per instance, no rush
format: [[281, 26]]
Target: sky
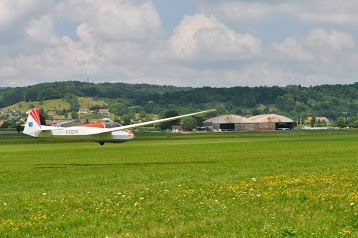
[[196, 43]]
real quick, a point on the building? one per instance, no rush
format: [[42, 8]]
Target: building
[[269, 122], [83, 111], [51, 113], [225, 122], [265, 122], [324, 120], [103, 111]]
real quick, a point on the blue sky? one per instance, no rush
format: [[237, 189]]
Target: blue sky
[[172, 11], [184, 43]]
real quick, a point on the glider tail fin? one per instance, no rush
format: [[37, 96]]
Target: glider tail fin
[[33, 124]]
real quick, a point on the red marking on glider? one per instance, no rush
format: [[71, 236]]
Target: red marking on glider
[[97, 125], [35, 113]]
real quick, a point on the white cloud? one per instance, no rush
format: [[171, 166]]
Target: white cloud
[[234, 11], [111, 35], [123, 40], [205, 38], [14, 13], [327, 11], [41, 31], [319, 45], [115, 20]]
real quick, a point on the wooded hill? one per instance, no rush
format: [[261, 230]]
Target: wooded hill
[[332, 101]]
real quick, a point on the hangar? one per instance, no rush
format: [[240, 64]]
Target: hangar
[[255, 123], [269, 122], [225, 122]]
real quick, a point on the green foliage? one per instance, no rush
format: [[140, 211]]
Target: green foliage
[[168, 125], [332, 101], [72, 99], [189, 123], [126, 118], [313, 121], [7, 124]]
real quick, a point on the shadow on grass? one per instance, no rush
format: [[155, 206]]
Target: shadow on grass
[[55, 166]]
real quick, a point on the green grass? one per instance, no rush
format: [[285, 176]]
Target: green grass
[[54, 104], [262, 184], [89, 102]]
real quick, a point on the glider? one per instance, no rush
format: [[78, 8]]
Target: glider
[[98, 132]]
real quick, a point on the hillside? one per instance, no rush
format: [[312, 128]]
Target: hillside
[[54, 104], [333, 101]]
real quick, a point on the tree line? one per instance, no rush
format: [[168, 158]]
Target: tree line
[[337, 102]]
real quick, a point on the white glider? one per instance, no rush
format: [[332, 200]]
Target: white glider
[[98, 132]]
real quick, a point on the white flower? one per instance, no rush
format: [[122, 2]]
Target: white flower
[[253, 179], [44, 194]]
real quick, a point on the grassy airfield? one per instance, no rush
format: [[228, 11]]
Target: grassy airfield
[[267, 184]]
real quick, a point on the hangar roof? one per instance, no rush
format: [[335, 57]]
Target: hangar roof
[[227, 119], [269, 118]]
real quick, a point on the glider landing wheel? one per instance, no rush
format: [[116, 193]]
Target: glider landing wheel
[[101, 143]]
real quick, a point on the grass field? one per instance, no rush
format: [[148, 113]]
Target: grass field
[[54, 104], [267, 184]]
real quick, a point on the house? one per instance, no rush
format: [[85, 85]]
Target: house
[[103, 111], [321, 119], [177, 128], [51, 113], [83, 111]]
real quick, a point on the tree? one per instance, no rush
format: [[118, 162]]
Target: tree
[[74, 114], [126, 119], [354, 124], [189, 123], [341, 122], [6, 124], [313, 121], [42, 119], [19, 127], [168, 125]]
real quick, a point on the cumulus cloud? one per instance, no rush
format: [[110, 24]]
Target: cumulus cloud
[[224, 43], [234, 11], [115, 19], [204, 37], [320, 44], [110, 35], [38, 28], [15, 11], [329, 12]]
